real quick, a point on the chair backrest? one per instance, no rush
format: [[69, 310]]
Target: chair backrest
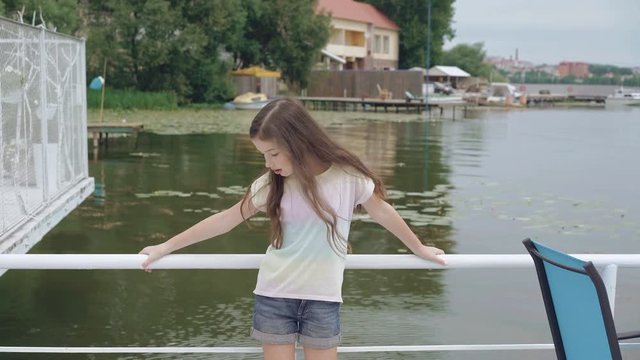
[[577, 305], [409, 95]]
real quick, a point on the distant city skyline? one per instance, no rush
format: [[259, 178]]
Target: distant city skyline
[[549, 32]]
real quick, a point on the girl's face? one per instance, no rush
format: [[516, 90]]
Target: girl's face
[[275, 158]]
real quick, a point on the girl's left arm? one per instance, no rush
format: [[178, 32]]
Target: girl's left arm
[[384, 214]]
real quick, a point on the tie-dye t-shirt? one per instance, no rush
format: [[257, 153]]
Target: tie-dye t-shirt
[[307, 266]]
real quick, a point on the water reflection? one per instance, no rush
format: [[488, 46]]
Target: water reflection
[[480, 185], [171, 181]]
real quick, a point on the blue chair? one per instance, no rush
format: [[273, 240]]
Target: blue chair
[[577, 306]]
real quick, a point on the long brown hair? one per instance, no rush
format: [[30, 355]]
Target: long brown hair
[[286, 122]]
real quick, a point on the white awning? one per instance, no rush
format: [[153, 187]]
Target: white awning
[[333, 56], [418, 68], [452, 71]]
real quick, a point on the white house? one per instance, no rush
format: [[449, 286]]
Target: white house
[[362, 37]]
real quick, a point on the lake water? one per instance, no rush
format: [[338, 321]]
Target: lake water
[[566, 177]]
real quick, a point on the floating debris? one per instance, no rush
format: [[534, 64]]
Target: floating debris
[[357, 217], [233, 190], [171, 193], [432, 210], [420, 224], [395, 194], [212, 196], [442, 222], [536, 226], [406, 213], [144, 155], [443, 188], [427, 194]]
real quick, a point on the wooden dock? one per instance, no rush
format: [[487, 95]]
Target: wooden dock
[[533, 99], [99, 132], [374, 104]]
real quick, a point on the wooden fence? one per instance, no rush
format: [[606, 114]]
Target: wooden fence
[[364, 83]]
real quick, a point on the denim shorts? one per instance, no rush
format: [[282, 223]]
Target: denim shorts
[[312, 323]]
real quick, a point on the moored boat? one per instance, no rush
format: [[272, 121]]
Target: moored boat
[[622, 97], [505, 94], [250, 101]]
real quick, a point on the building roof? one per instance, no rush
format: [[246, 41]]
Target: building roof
[[452, 71], [356, 11]]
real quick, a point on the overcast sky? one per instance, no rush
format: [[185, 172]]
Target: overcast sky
[[550, 31]]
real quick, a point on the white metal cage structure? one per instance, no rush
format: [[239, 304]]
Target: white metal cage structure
[[43, 136]]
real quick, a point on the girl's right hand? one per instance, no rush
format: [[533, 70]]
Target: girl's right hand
[[154, 253]]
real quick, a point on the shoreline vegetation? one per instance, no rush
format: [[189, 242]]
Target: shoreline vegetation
[[133, 99]]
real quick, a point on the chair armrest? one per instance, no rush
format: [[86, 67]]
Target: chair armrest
[[628, 335]]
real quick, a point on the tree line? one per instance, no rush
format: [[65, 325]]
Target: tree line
[[599, 74], [189, 47]]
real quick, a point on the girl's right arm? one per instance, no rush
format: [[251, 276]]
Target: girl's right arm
[[212, 226]]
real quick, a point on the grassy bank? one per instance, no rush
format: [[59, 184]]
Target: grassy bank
[[132, 99]]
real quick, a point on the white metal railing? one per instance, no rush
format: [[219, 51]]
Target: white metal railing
[[252, 261], [607, 263]]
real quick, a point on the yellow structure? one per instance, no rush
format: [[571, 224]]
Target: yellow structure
[[256, 79], [256, 71]]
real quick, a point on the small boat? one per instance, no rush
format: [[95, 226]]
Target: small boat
[[505, 94], [622, 97], [250, 101]]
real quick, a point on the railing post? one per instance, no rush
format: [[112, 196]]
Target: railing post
[[609, 275], [44, 128]]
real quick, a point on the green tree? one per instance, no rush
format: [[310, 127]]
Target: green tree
[[189, 48], [222, 24], [603, 69], [283, 34], [155, 46], [61, 15], [569, 79], [412, 17], [632, 81], [246, 49], [536, 76], [299, 36], [470, 58], [149, 33]]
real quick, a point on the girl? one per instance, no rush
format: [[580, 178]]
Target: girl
[[309, 191]]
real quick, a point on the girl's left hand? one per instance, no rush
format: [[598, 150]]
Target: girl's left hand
[[431, 253]]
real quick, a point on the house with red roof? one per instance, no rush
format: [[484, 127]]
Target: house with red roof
[[362, 37]]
